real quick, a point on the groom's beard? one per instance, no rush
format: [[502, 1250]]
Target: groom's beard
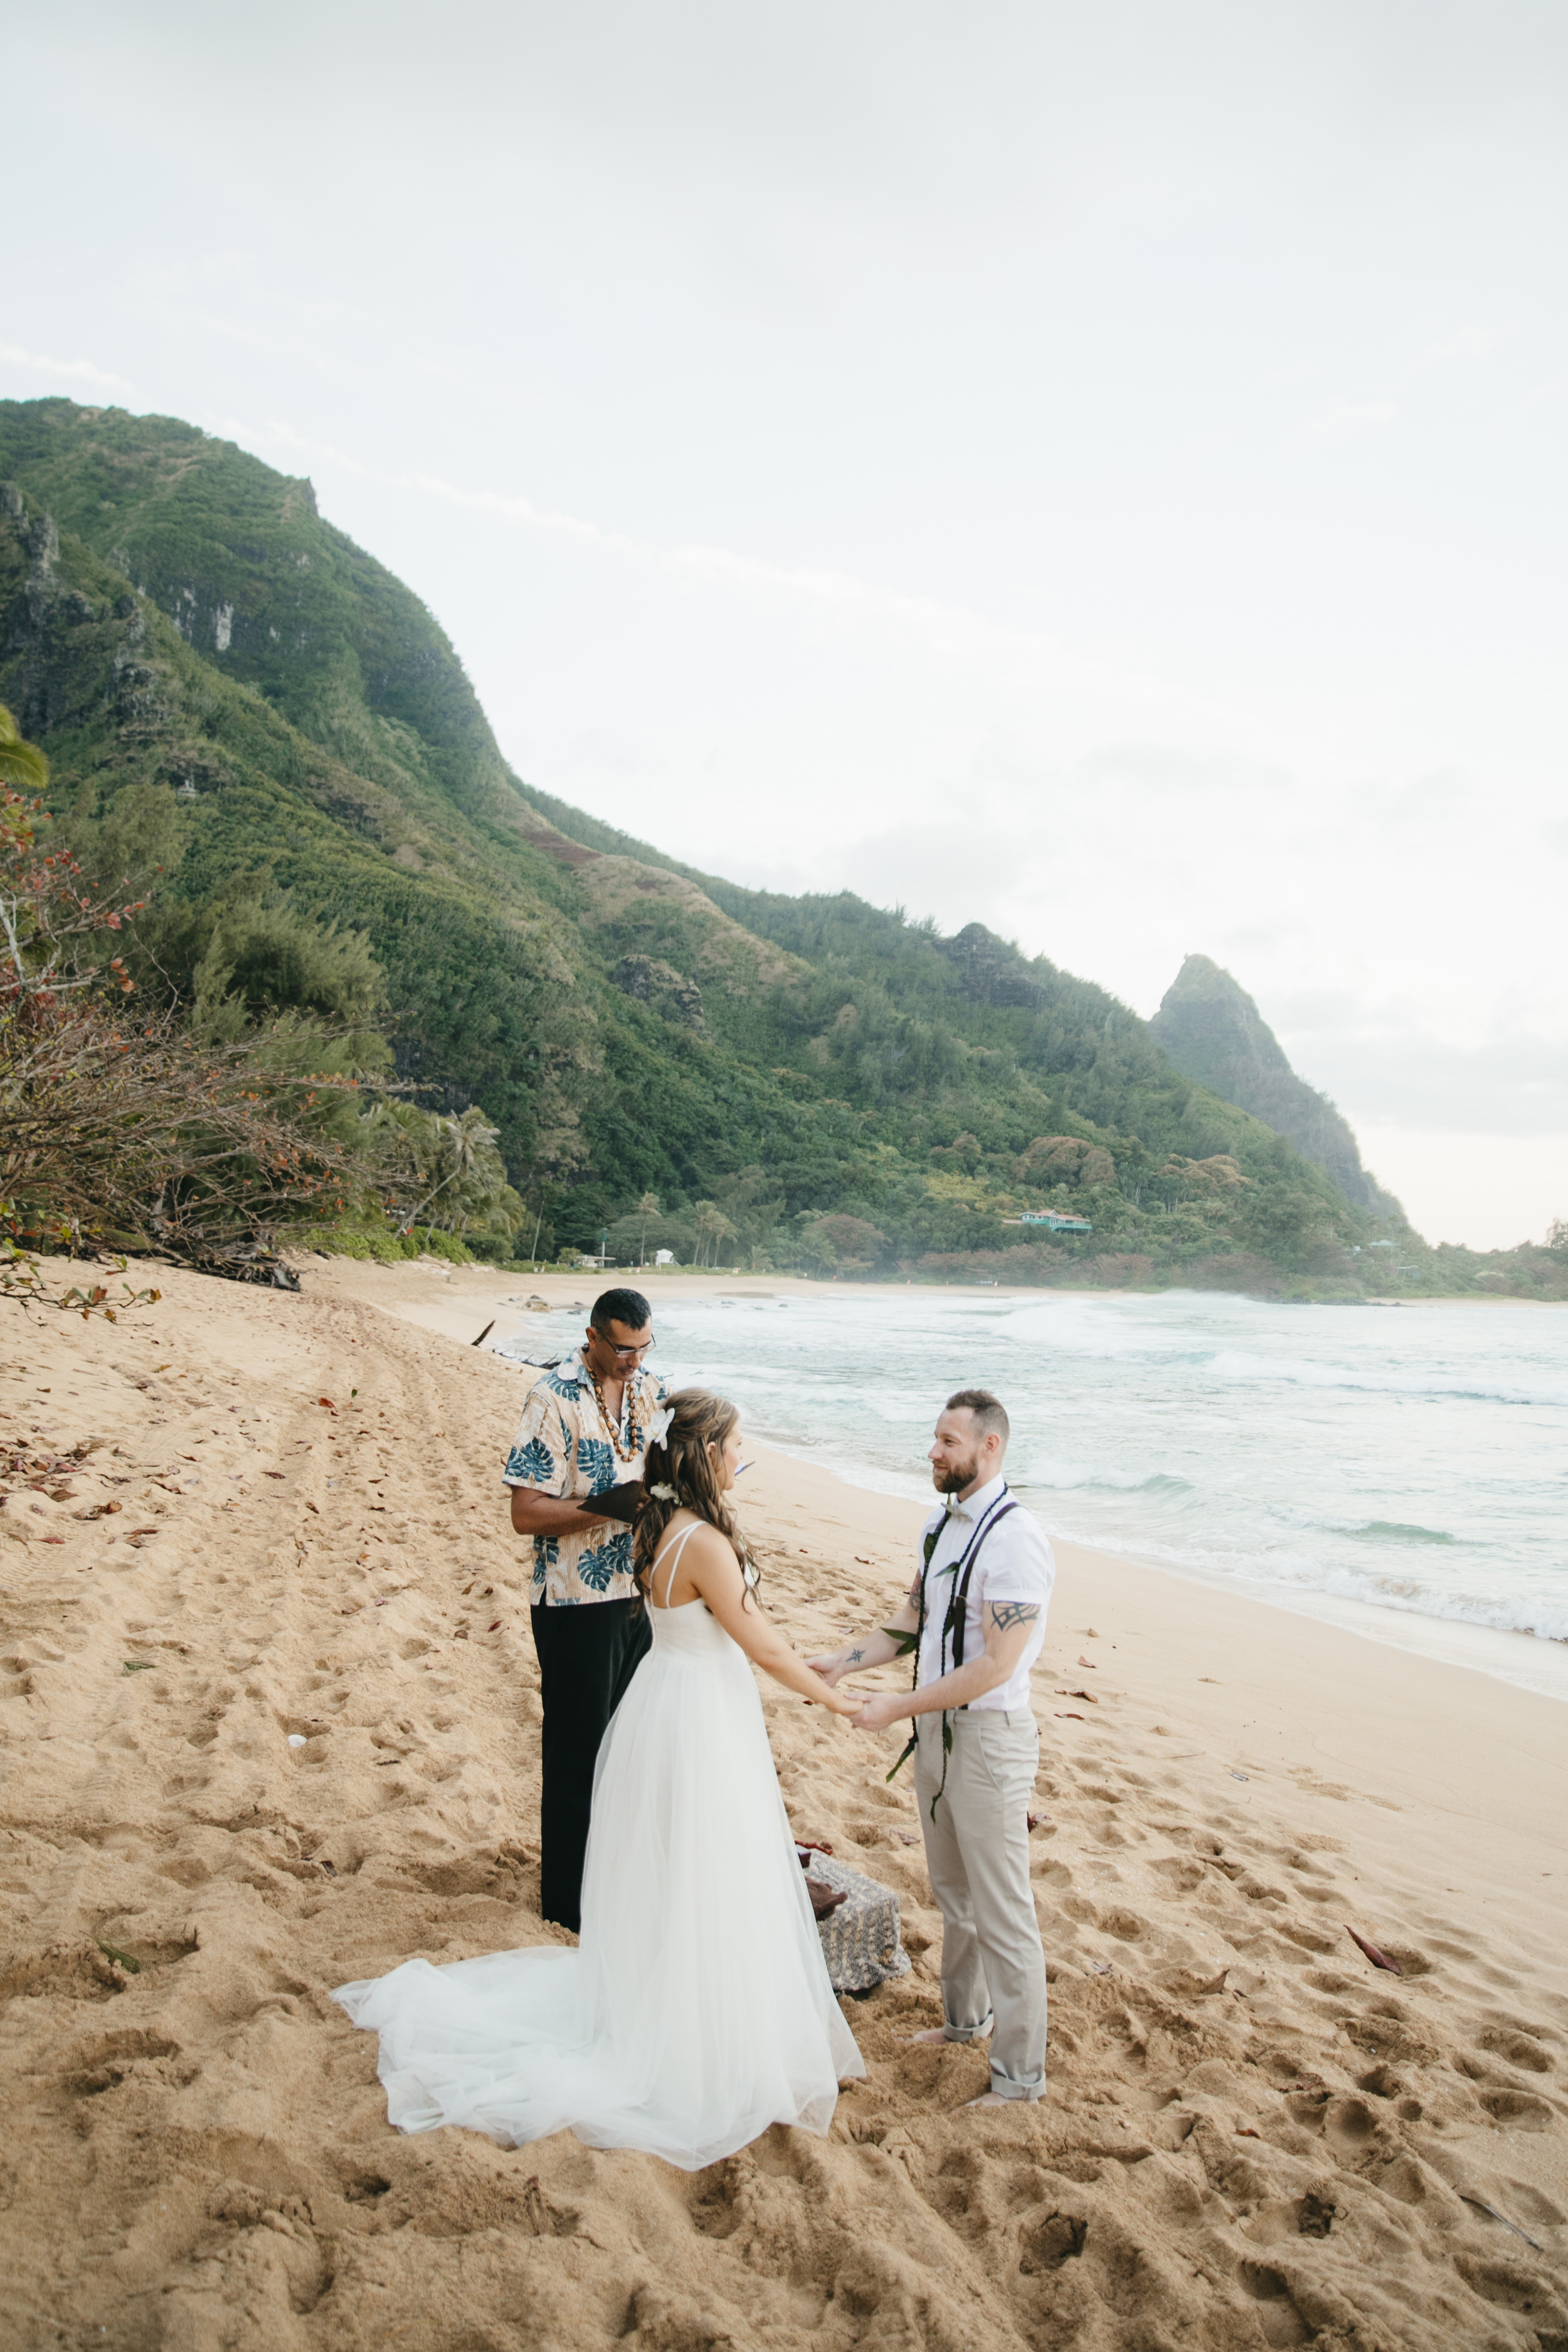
[[953, 1481]]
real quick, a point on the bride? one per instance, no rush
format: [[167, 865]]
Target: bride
[[696, 2010]]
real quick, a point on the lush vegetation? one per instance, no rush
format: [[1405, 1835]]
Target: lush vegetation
[[253, 727]]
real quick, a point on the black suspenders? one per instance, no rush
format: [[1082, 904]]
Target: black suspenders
[[953, 1625]]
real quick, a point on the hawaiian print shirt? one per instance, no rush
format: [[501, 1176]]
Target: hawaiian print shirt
[[562, 1446]]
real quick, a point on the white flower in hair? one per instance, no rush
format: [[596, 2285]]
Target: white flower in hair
[[658, 1428], [665, 1494]]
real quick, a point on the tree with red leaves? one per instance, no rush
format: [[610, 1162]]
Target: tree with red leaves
[[123, 1127]]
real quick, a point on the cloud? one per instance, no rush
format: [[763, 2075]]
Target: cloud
[[77, 371], [882, 627], [1465, 343], [1514, 1084], [1350, 420], [1491, 1191]]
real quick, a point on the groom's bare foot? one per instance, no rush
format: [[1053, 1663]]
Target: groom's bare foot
[[940, 2034], [989, 2099]]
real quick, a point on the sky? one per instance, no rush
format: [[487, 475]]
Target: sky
[[1097, 472]]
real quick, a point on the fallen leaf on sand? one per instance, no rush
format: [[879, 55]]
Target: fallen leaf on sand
[[1100, 1968], [907, 1837], [137, 1667], [314, 1506], [1067, 1715], [1244, 2131], [1088, 1695], [54, 1538], [1089, 1663], [272, 1474], [860, 1561], [1482, 2206], [496, 1627], [1379, 1959]]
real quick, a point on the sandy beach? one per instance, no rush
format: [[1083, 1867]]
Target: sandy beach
[[241, 1517]]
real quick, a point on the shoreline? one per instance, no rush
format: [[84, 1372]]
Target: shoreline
[[1524, 1660], [272, 1724], [642, 1277]]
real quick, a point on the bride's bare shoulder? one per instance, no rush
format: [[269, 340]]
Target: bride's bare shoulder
[[704, 1546], [709, 1542], [697, 1539]]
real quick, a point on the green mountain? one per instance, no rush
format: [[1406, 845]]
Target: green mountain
[[243, 707], [1216, 1035]]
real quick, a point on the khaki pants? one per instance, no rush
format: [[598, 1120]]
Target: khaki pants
[[977, 1853]]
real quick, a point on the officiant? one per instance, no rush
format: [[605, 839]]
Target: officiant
[[581, 1444]]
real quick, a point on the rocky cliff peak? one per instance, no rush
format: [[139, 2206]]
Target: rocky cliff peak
[[1216, 1035]]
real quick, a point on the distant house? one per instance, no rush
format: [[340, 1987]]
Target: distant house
[[586, 1259], [1052, 1219], [664, 1257]]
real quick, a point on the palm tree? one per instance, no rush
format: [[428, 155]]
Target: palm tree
[[713, 1227], [647, 1208], [470, 1139], [22, 765]]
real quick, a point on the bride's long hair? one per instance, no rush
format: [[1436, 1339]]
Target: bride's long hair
[[681, 1464]]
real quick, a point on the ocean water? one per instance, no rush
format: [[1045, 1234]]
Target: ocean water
[[1407, 1460]]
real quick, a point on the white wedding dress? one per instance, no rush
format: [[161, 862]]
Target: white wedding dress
[[697, 2009]]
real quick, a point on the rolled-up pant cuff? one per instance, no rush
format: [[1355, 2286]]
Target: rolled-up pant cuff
[[1005, 2088], [967, 2033]]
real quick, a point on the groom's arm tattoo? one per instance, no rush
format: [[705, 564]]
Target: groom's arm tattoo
[[855, 1656], [1005, 1614]]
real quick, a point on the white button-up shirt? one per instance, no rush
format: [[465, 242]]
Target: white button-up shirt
[[1014, 1563]]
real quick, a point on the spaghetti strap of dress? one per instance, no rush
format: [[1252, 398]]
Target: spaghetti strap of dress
[[676, 1549]]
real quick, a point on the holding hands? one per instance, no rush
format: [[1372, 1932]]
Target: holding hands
[[850, 1705], [1007, 1626], [871, 1710], [879, 1708]]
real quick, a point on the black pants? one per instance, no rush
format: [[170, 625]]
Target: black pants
[[587, 1656]]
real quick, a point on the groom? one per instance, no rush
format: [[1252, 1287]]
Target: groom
[[976, 1613], [583, 1433]]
